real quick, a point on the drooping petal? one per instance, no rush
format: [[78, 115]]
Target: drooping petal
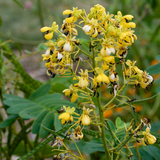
[[69, 20], [74, 97], [48, 36], [143, 142]]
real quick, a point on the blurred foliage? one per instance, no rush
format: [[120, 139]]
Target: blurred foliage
[[20, 22]]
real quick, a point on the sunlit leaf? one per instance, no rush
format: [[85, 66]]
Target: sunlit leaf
[[118, 122]]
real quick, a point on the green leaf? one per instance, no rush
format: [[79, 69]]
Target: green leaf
[[59, 87], [42, 109], [118, 122], [158, 57], [155, 69], [42, 47], [43, 90], [0, 21], [10, 119], [37, 123], [145, 155], [111, 124], [91, 147], [154, 151], [46, 98], [19, 3], [48, 122], [57, 123], [31, 112], [27, 51], [84, 44]]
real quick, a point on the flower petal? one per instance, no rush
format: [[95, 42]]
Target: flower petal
[[48, 36], [44, 29]]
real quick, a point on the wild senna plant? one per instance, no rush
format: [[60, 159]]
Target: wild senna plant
[[110, 36]]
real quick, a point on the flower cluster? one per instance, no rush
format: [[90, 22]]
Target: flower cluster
[[83, 119], [148, 138], [112, 35], [110, 38]]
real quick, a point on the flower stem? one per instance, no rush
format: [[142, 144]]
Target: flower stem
[[103, 129]]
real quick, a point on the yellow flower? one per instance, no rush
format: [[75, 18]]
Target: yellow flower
[[106, 51], [101, 76], [121, 51], [68, 47], [113, 77], [77, 133], [73, 15], [133, 70], [148, 138], [109, 59], [127, 38], [83, 80], [49, 30], [91, 28], [67, 115], [96, 11], [86, 120], [145, 79], [124, 20], [72, 92]]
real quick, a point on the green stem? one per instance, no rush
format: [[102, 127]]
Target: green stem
[[134, 115], [77, 148], [102, 128], [88, 55], [122, 143], [100, 113]]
